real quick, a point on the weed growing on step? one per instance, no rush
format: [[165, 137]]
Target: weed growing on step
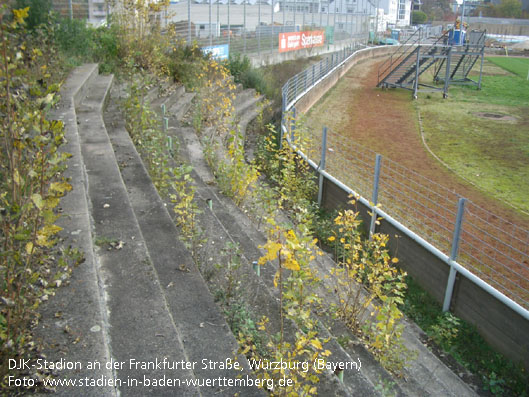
[[30, 190], [386, 388], [236, 178], [367, 263], [185, 208], [145, 129], [230, 276], [295, 281]]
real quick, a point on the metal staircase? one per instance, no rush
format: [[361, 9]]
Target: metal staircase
[[462, 60], [453, 63]]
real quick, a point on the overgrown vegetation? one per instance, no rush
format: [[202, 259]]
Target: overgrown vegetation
[[31, 263], [462, 341], [367, 262]]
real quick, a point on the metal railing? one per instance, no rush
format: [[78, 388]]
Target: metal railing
[[400, 53], [304, 81], [490, 251]]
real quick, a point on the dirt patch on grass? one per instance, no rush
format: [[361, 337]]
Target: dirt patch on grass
[[386, 121], [495, 116]]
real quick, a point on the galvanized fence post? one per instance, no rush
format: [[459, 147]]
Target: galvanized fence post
[[453, 254], [244, 29], [188, 22], [374, 200], [322, 164], [313, 74]]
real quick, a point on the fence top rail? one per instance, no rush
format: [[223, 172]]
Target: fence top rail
[[428, 184]]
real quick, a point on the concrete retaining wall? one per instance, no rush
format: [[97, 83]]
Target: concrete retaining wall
[[504, 329]]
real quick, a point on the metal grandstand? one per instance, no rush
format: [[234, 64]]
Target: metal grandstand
[[452, 62]]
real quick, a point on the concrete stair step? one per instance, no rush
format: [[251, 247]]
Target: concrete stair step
[[140, 326], [168, 98], [180, 108], [72, 326], [203, 330]]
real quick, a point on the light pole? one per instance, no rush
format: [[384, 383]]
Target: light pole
[[461, 26]]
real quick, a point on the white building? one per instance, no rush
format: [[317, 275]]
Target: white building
[[97, 11], [396, 12]]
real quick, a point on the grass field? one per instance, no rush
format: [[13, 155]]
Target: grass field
[[518, 66], [483, 136]]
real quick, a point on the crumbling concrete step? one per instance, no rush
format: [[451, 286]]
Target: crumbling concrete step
[[140, 326], [180, 108], [72, 324], [204, 332]]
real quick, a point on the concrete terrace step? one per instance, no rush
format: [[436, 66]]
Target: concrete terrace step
[[140, 326], [73, 322], [202, 328]]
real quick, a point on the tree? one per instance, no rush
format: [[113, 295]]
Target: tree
[[436, 10], [506, 9], [38, 11], [509, 9], [418, 17]]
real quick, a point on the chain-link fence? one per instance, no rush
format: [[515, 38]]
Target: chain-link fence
[[491, 247], [255, 26], [251, 27], [494, 249]]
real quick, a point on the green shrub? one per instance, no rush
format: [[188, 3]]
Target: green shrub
[[74, 38], [106, 48], [39, 11]]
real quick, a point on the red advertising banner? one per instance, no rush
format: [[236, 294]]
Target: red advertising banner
[[298, 40]]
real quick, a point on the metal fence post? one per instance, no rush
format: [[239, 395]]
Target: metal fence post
[[322, 164], [210, 33], [259, 27], [313, 74], [453, 254], [188, 22], [417, 67], [244, 31], [378, 160]]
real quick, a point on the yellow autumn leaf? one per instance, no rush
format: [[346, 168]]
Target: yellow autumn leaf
[[276, 278], [316, 343], [21, 14], [395, 260], [272, 248], [290, 262], [37, 200], [45, 233], [52, 202], [29, 248], [332, 238]]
